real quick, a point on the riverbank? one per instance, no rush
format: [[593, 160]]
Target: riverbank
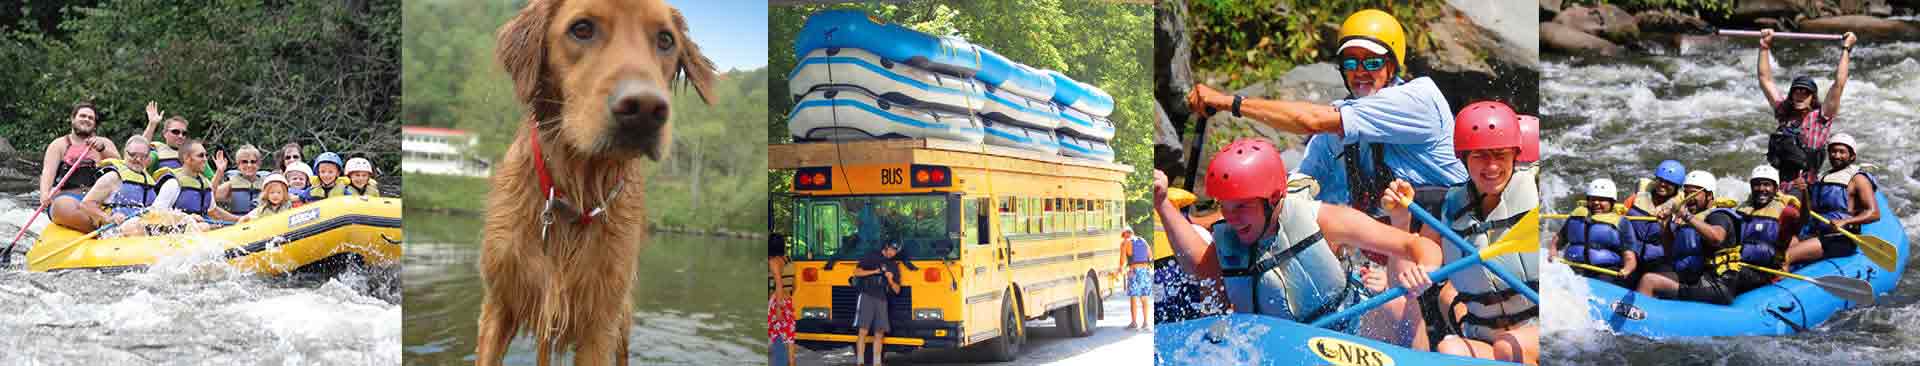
[[466, 196], [1658, 27]]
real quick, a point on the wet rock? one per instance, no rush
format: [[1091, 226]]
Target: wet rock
[[1670, 21], [1862, 26], [1778, 9], [1172, 80], [1606, 21], [1567, 39], [6, 149], [1470, 61], [1167, 148]]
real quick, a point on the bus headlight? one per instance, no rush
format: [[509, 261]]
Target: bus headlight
[[814, 313], [928, 314]]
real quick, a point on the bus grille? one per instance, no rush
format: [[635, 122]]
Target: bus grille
[[899, 306]]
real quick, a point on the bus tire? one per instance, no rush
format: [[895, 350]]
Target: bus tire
[[1006, 347], [1078, 320]]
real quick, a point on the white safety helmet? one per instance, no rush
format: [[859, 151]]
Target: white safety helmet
[[1764, 171], [306, 171], [1844, 139], [1602, 187], [275, 178], [359, 165], [1702, 179]]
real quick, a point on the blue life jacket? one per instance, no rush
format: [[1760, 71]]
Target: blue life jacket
[[196, 197], [1759, 236], [1596, 239], [1292, 275], [1690, 247], [136, 192], [1830, 197], [1141, 252], [1646, 234], [242, 193]]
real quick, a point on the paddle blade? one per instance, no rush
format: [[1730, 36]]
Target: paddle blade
[[1180, 197], [1853, 290], [1522, 237], [1881, 252]]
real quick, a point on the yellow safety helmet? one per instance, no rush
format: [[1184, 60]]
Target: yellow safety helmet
[[1379, 27]]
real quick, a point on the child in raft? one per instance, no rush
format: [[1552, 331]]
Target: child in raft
[[326, 169], [273, 198], [360, 178], [297, 174]]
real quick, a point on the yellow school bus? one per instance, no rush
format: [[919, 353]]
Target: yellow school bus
[[994, 236]]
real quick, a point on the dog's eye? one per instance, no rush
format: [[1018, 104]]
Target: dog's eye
[[581, 30], [664, 40]]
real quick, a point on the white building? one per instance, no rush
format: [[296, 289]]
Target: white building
[[443, 151]]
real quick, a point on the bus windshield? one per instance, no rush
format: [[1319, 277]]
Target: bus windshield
[[850, 227]]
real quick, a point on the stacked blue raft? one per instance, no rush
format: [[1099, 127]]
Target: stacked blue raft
[[1784, 307], [860, 78]]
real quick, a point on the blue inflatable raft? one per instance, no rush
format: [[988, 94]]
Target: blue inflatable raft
[[845, 113], [1247, 339], [1085, 148], [1080, 123], [1000, 72], [1005, 106], [1784, 307], [854, 29], [853, 67], [1021, 137], [1082, 96]]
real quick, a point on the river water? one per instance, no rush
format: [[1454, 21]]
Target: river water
[[192, 310], [1701, 104], [699, 299]]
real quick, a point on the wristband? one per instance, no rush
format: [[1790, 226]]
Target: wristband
[[1236, 104]]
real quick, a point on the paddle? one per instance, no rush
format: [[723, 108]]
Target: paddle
[[1851, 289], [1876, 249], [1785, 35], [1509, 245], [1180, 197], [1528, 228], [1634, 218], [70, 244], [1590, 267], [7, 255]]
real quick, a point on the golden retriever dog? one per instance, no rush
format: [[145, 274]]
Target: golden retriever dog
[[561, 241]]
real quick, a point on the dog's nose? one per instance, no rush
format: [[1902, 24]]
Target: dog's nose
[[635, 102]]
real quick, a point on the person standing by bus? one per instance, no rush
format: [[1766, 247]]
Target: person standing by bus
[[1136, 268], [878, 281]]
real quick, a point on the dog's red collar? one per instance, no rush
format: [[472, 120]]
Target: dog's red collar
[[554, 195]]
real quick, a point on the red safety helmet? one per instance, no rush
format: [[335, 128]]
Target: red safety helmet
[[1248, 168], [1486, 125], [1529, 139]]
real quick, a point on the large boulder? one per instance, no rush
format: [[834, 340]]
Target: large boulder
[[1671, 21], [1862, 26], [1172, 80], [1555, 36], [1471, 61], [1749, 10], [1606, 21]]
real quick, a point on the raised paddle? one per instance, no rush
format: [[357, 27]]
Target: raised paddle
[[1876, 249], [1853, 290], [1785, 35], [1509, 245], [70, 244], [7, 255], [1528, 228]]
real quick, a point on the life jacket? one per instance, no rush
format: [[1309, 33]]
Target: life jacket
[[1829, 195], [1596, 239], [266, 209], [298, 192], [316, 192], [1646, 234], [372, 189], [196, 197], [1690, 248], [164, 157], [1141, 252], [136, 189], [1489, 300], [80, 178], [1293, 274], [1759, 236], [242, 191]]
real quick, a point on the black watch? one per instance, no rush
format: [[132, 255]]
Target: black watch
[[1236, 104]]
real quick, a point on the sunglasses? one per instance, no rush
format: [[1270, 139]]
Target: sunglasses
[[249, 161], [176, 131], [1371, 63]]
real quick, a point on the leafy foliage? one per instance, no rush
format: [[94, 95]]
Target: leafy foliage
[[1257, 40], [1105, 44], [321, 73], [710, 180]]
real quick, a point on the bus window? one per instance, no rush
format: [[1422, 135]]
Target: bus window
[[1008, 217], [971, 218], [850, 227]]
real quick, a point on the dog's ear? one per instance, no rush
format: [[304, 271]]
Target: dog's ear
[[522, 48], [695, 68]]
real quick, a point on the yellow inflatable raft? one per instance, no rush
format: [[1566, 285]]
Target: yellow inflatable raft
[[363, 229]]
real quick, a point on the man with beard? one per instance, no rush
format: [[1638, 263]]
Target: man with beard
[[1762, 233], [78, 151], [1844, 195]]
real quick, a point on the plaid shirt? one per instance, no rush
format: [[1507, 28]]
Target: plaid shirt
[[780, 319], [1815, 127]]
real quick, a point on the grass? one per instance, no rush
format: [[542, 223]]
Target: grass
[[445, 193]]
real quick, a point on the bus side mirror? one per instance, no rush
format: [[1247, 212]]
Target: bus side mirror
[[943, 246]]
